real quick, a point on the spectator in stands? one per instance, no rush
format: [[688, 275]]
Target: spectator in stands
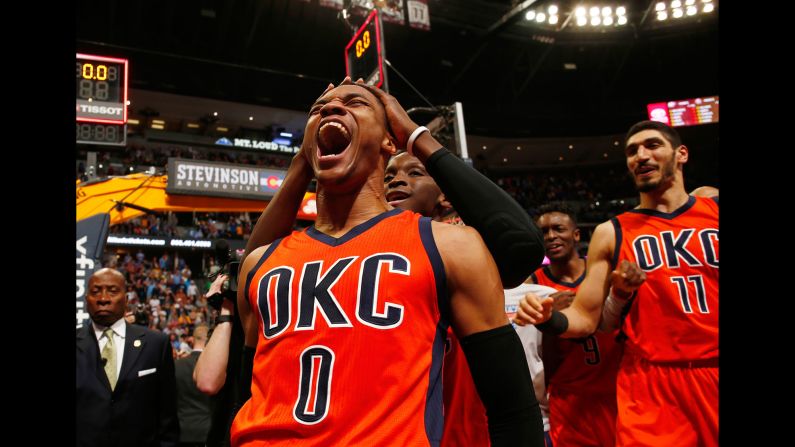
[[192, 290]]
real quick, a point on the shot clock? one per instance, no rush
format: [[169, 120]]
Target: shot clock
[[364, 54]]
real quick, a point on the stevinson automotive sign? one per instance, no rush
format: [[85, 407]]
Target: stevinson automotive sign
[[206, 178]]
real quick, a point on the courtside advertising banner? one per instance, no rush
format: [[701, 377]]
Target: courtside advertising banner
[[92, 233], [206, 178]]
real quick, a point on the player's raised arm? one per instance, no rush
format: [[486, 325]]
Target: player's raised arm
[[582, 317], [492, 348]]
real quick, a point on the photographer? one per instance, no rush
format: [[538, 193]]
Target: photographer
[[210, 372], [226, 342]]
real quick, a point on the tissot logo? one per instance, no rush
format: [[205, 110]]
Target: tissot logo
[[113, 112]]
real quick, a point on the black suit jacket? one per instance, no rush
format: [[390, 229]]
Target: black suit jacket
[[193, 406], [142, 410]]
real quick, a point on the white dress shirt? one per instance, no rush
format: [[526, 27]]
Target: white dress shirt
[[119, 333], [531, 342]]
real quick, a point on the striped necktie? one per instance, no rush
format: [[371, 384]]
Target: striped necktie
[[109, 358]]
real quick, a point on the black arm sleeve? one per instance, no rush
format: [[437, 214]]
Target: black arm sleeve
[[246, 369], [502, 378], [557, 324], [512, 238]]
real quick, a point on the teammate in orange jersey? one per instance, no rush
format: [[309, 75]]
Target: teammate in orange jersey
[[667, 386], [581, 373], [409, 186], [349, 316]]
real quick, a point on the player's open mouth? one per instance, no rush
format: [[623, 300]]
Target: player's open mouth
[[332, 139], [395, 197]]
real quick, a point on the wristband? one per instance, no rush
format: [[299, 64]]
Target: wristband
[[215, 300], [224, 319], [414, 135], [556, 325]]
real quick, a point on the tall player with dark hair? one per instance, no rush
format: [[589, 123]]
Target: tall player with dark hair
[[667, 386], [349, 316], [581, 373]]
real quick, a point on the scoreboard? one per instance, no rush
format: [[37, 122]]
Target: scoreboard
[[101, 99], [102, 134], [685, 112]]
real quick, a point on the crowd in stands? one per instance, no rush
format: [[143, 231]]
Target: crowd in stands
[[163, 294], [158, 156], [148, 225], [136, 156], [602, 184], [203, 226], [222, 225]]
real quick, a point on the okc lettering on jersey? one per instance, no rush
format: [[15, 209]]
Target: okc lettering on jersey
[[315, 293], [652, 252]]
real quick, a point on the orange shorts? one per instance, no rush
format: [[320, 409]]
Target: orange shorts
[[582, 419], [666, 405]]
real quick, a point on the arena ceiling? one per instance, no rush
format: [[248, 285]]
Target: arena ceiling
[[514, 77]]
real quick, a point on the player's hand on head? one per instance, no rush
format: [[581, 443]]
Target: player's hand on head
[[399, 121], [301, 159], [562, 299], [627, 278], [533, 310]]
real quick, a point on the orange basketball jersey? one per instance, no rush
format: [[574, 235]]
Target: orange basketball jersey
[[351, 338], [587, 365], [582, 381], [674, 316]]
